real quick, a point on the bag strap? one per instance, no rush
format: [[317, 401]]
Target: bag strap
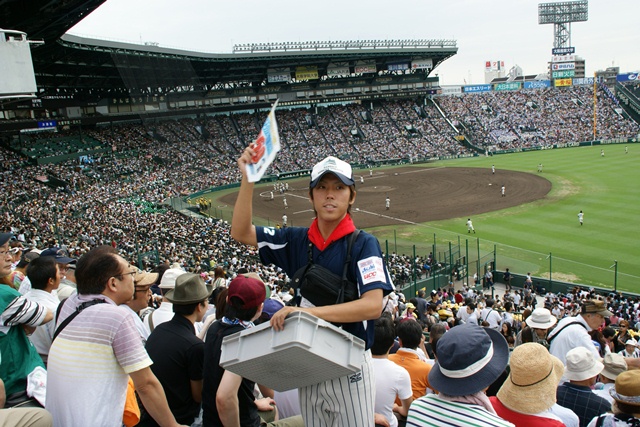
[[73, 315], [549, 339], [151, 325], [347, 261], [487, 316]]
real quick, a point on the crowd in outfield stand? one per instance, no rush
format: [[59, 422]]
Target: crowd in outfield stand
[[115, 202]]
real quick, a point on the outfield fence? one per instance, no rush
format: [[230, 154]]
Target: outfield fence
[[458, 258]]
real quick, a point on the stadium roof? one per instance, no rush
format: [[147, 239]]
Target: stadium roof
[[100, 68]]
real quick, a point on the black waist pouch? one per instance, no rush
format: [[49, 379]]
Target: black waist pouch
[[322, 287]]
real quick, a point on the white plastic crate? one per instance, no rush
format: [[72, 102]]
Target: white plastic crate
[[307, 351]]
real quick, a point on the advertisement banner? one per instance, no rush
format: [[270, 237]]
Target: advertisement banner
[[307, 73], [507, 86], [537, 84], [363, 67], [563, 74], [337, 71], [628, 77], [562, 82], [563, 58], [563, 50], [278, 75], [422, 63], [399, 66], [583, 81], [493, 65], [477, 88], [450, 90], [563, 66]]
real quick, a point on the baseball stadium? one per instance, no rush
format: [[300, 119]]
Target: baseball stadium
[[376, 104], [125, 164]]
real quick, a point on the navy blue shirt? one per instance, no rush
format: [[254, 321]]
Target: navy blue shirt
[[288, 249]]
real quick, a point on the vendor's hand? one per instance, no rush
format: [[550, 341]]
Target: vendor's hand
[[245, 159], [265, 404], [277, 320]]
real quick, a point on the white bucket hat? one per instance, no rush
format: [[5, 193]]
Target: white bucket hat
[[581, 364]]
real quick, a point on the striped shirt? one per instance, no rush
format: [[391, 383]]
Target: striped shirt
[[91, 359], [432, 411]]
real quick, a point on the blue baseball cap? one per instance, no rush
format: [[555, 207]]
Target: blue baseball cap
[[61, 255], [5, 237]]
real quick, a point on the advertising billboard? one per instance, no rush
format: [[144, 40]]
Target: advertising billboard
[[563, 66]]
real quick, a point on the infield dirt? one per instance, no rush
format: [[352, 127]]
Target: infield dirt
[[417, 194]]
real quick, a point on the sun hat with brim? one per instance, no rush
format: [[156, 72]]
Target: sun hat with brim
[[614, 365], [627, 388], [5, 237], [333, 165], [581, 364], [410, 306], [533, 379], [143, 278], [541, 318], [169, 277], [631, 342], [470, 358], [190, 289]]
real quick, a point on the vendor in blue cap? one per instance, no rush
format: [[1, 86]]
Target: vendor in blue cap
[[348, 400]]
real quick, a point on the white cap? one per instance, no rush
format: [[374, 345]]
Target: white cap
[[169, 277], [333, 165]]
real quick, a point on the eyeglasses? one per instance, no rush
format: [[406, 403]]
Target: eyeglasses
[[144, 289], [121, 275], [5, 254]]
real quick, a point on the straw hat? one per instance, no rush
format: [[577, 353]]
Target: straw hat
[[410, 306], [470, 359], [627, 389], [532, 382], [541, 318]]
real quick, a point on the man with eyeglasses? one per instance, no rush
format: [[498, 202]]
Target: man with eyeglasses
[[18, 317], [142, 282], [97, 349]]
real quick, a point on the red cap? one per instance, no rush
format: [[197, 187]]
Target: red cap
[[250, 291]]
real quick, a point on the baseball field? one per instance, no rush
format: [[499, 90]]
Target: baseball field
[[533, 228]]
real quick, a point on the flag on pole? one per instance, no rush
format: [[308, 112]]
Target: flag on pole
[[266, 145]]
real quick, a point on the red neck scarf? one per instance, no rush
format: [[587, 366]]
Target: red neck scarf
[[345, 227]]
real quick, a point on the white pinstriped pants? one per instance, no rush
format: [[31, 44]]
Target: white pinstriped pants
[[347, 401]]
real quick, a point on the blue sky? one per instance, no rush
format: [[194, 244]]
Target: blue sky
[[505, 30]]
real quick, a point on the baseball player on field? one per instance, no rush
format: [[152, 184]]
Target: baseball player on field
[[349, 400]]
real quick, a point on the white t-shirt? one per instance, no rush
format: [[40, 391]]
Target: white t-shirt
[[391, 380]]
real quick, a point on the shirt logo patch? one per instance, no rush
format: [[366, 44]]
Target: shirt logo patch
[[371, 270]]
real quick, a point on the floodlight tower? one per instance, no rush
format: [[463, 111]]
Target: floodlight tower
[[561, 15]]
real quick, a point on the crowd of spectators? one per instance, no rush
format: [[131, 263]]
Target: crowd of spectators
[[116, 200]]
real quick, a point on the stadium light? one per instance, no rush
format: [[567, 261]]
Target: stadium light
[[561, 15]]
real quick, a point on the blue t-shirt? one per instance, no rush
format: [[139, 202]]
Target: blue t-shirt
[[288, 249]]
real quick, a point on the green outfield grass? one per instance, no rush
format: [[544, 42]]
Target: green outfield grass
[[545, 235]]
